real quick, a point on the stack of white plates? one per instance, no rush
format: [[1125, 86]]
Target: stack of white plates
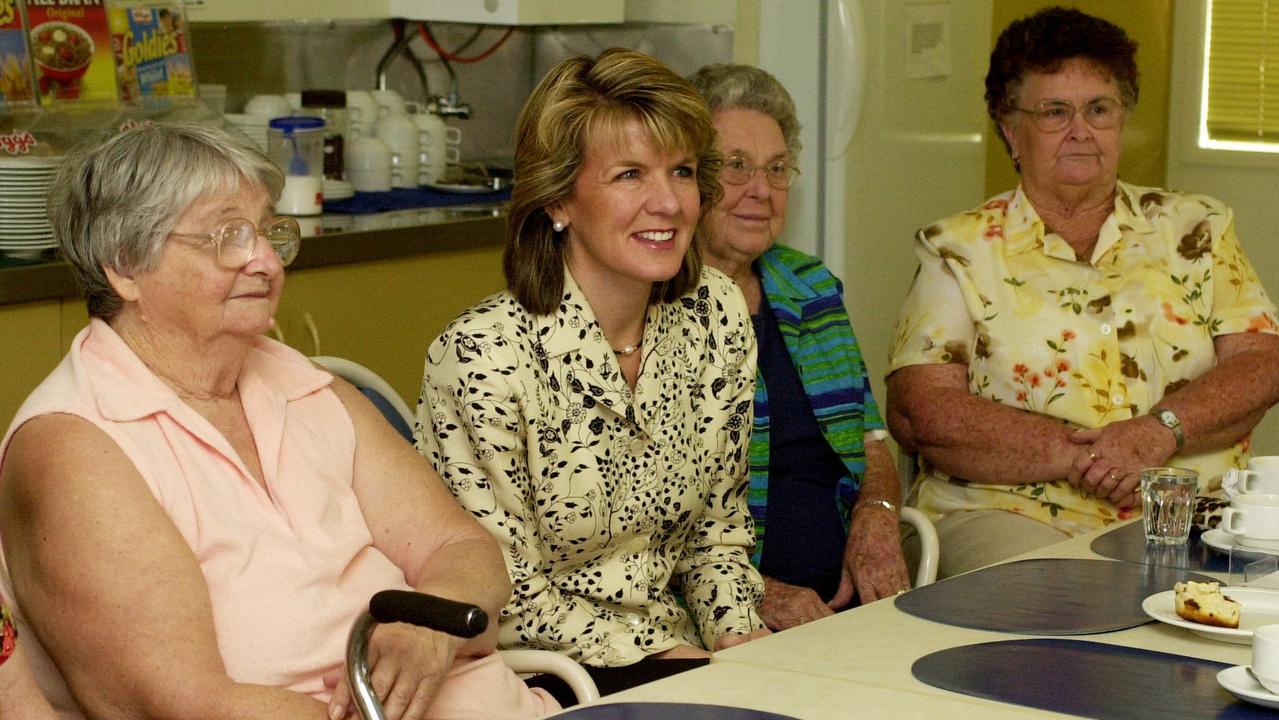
[[337, 189], [24, 185], [254, 126]]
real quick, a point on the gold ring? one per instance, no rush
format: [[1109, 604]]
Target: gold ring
[[1112, 476], [899, 592], [1092, 456]]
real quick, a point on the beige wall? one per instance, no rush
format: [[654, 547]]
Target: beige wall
[[1149, 22]]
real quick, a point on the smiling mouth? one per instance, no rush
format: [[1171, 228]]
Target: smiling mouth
[[656, 235]]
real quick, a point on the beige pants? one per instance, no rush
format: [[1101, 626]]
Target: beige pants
[[977, 538]]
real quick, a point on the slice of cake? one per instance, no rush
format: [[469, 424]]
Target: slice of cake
[[1203, 603]]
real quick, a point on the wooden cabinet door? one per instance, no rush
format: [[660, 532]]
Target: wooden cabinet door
[[384, 314]]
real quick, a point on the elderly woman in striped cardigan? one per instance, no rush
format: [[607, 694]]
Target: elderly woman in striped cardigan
[[824, 492]]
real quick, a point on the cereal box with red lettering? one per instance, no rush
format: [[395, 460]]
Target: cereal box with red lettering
[[15, 60], [152, 57], [71, 51]]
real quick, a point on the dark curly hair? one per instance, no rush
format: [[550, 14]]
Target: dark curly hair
[[1042, 42]]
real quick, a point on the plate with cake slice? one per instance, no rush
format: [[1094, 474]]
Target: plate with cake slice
[[1227, 614]]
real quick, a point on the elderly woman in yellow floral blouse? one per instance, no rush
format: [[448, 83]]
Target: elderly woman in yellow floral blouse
[[1067, 334]]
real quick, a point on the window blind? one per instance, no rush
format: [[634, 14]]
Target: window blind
[[1243, 71]]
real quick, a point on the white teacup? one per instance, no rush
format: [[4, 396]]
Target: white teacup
[[361, 112], [400, 135], [390, 101], [1253, 519], [268, 106], [434, 158], [1262, 476], [368, 165], [1265, 656]]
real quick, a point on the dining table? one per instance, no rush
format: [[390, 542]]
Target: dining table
[[862, 662]]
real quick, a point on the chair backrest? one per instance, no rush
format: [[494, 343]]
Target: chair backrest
[[377, 390], [929, 547]]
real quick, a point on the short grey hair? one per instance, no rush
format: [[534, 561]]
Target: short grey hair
[[113, 204], [725, 86]]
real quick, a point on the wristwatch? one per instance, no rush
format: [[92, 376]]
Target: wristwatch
[[1169, 419]]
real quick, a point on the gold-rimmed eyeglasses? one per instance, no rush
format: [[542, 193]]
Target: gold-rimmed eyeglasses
[[1100, 113], [738, 170], [237, 239]]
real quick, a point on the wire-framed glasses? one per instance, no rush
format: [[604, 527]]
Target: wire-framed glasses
[[237, 239], [738, 170], [1100, 113]]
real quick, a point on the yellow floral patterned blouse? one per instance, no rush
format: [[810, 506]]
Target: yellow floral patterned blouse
[[1089, 343]]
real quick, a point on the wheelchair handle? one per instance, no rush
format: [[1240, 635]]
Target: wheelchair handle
[[428, 611]]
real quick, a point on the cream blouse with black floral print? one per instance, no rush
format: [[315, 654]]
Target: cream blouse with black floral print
[[1087, 342], [606, 502]]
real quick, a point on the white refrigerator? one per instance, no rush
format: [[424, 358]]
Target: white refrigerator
[[890, 95]]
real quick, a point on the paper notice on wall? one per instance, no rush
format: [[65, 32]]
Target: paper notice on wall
[[928, 40]]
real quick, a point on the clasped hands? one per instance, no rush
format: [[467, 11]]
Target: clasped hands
[[1108, 460]]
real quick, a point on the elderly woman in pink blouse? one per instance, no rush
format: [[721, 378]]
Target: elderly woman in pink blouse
[[192, 514]]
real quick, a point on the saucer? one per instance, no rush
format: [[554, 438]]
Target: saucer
[[1222, 541], [1260, 607], [1240, 683]]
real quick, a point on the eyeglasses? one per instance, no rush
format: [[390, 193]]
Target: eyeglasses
[[1100, 113], [738, 170], [236, 240]]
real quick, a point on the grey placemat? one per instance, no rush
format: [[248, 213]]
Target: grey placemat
[[1052, 596], [1128, 543], [1089, 679]]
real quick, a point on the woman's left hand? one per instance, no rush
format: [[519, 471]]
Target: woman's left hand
[[406, 666], [873, 562], [1111, 458]]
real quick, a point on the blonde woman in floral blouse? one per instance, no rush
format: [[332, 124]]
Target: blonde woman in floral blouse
[[1067, 334], [596, 415]]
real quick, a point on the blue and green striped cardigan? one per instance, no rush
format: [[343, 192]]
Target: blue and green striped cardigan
[[808, 302]]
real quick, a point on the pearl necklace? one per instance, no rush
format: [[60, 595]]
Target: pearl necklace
[[626, 351]]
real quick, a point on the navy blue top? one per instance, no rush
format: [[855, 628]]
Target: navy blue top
[[806, 535]]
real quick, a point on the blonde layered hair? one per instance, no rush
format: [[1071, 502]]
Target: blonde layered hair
[[581, 103]]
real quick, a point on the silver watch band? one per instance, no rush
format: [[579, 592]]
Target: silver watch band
[[1169, 419], [884, 504]]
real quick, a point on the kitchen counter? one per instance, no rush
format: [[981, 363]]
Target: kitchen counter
[[330, 239]]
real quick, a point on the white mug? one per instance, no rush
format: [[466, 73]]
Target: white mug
[[361, 112], [1265, 656], [427, 156], [267, 106], [390, 102], [430, 172], [1262, 476], [400, 135], [436, 152], [433, 130], [1253, 519], [368, 165]]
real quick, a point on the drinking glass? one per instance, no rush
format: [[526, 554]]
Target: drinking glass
[[1167, 501]]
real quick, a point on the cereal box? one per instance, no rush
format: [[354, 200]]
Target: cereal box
[[152, 57], [15, 60], [71, 51]]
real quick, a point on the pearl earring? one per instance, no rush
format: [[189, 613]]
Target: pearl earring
[[558, 225]]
